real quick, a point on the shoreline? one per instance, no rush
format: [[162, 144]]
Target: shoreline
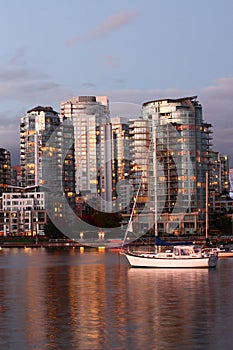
[[62, 243]]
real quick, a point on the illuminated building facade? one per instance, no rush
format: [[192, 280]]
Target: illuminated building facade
[[218, 174], [139, 156], [92, 147], [219, 186], [5, 170], [121, 164], [231, 182], [225, 183], [178, 147], [23, 212], [36, 129]]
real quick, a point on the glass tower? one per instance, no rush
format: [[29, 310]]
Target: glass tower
[[121, 164], [179, 154], [43, 135], [92, 146]]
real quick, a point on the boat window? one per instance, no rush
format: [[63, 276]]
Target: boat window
[[197, 249], [184, 252]]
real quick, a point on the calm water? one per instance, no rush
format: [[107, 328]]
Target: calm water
[[62, 299]]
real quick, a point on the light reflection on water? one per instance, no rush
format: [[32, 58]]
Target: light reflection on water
[[62, 299]]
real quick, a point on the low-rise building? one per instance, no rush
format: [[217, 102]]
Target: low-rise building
[[23, 213]]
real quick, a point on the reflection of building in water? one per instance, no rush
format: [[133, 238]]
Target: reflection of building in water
[[23, 289], [172, 314], [97, 315]]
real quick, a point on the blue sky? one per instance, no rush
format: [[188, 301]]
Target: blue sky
[[132, 51]]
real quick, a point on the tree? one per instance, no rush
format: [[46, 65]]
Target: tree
[[224, 224]]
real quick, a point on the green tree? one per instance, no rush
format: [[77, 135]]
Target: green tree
[[224, 224]]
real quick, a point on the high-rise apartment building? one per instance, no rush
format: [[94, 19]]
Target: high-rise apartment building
[[36, 127], [225, 183], [139, 159], [5, 169], [218, 174], [121, 164], [219, 186], [172, 154], [92, 147], [43, 138]]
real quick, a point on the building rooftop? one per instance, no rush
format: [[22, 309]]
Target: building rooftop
[[42, 109], [170, 100]]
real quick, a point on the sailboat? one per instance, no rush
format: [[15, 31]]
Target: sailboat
[[176, 257], [169, 256]]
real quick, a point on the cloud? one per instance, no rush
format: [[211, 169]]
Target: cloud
[[217, 105], [112, 61], [26, 85], [118, 82], [125, 109], [110, 24], [221, 90], [88, 85], [7, 75], [140, 96], [18, 57], [8, 119], [9, 133], [22, 89], [128, 103]]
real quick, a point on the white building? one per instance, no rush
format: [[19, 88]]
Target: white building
[[23, 213], [170, 154], [92, 147]]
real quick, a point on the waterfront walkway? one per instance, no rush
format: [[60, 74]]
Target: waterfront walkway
[[58, 243]]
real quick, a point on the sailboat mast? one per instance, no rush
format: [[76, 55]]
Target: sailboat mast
[[130, 225], [207, 205], [155, 181]]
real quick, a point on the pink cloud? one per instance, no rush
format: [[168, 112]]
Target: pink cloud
[[110, 24]]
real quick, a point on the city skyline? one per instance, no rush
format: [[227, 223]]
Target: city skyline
[[119, 110], [171, 142], [131, 52]]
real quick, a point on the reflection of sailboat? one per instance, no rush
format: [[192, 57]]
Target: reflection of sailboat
[[174, 256], [168, 274]]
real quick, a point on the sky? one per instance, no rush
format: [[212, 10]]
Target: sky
[[131, 51]]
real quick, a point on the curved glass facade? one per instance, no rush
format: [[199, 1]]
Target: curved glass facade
[[178, 162]]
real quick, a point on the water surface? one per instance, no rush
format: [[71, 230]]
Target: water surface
[[65, 299]]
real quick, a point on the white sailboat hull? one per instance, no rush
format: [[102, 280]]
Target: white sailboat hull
[[152, 261]]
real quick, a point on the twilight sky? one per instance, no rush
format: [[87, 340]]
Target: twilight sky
[[131, 51]]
